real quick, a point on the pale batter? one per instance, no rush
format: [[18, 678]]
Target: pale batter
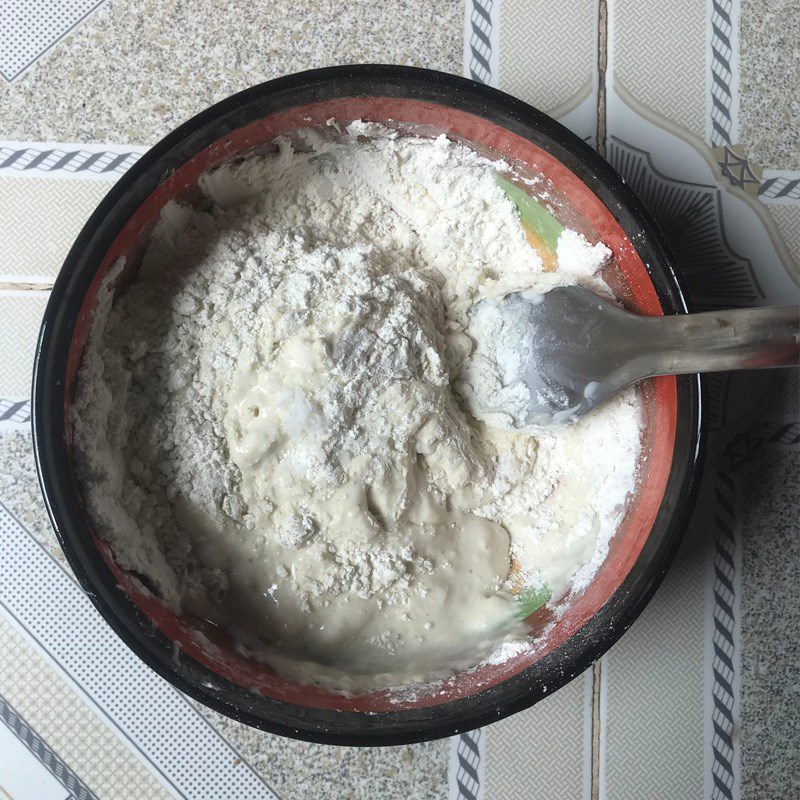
[[274, 421]]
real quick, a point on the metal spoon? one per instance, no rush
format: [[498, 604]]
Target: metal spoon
[[575, 349]]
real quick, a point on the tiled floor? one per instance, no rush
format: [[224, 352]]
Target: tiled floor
[[697, 105], [133, 71]]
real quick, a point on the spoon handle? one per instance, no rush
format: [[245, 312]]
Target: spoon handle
[[747, 338]]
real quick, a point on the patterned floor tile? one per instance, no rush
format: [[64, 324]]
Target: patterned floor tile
[[20, 319], [69, 727], [132, 72], [658, 57], [528, 69], [542, 752], [680, 77], [28, 30], [528, 34], [653, 690], [39, 220]]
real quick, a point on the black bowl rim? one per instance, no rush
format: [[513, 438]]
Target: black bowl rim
[[65, 510]]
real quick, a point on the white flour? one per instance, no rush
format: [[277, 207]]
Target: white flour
[[267, 426]]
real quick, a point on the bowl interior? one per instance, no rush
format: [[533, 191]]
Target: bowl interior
[[578, 207]]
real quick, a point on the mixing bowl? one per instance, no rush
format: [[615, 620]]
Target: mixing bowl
[[586, 194]]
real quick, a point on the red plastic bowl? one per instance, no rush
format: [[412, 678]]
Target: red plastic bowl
[[589, 196]]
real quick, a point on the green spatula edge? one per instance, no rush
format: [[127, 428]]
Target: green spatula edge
[[531, 599], [533, 215], [539, 221]]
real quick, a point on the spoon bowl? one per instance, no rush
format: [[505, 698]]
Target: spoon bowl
[[557, 355]]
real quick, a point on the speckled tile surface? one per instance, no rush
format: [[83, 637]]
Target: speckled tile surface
[[770, 609], [770, 109], [770, 624], [134, 71], [770, 105], [299, 770], [19, 489]]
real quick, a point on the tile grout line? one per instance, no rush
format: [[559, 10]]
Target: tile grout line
[[597, 667], [597, 677], [602, 63], [14, 286]]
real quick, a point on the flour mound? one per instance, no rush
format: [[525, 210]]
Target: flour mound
[[271, 427]]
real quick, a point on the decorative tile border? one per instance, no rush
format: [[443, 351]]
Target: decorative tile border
[[717, 276], [15, 412], [720, 278], [481, 40], [36, 159], [770, 186], [185, 752], [465, 772], [779, 186], [724, 669], [723, 83], [704, 221], [782, 434], [44, 753], [734, 166]]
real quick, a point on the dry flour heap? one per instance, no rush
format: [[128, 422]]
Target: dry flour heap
[[272, 422]]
